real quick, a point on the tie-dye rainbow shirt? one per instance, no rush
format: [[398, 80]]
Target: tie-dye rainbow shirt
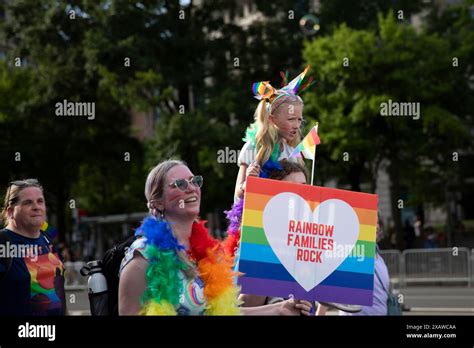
[[34, 285]]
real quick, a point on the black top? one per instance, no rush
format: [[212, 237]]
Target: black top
[[34, 282]]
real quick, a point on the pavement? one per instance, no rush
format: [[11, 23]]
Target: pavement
[[439, 301], [77, 300]]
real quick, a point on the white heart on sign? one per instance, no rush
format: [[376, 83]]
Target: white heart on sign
[[288, 206]]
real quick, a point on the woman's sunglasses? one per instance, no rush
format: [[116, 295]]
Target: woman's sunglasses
[[27, 182], [182, 184]]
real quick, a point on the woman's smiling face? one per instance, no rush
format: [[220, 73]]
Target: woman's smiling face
[[177, 203]]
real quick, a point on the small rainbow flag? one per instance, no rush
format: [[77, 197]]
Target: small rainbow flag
[[49, 230], [263, 271], [308, 146]]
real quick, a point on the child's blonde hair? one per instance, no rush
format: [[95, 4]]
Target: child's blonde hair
[[267, 134]]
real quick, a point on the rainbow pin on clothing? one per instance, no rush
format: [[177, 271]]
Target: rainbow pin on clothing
[[49, 230]]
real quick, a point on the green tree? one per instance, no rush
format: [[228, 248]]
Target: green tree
[[397, 63], [362, 14], [65, 152], [233, 57]]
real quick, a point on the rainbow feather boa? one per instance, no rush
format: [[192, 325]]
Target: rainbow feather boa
[[214, 265]]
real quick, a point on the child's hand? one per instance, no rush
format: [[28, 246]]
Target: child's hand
[[253, 169]]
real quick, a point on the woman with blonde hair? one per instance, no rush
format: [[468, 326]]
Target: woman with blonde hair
[[276, 130], [175, 267]]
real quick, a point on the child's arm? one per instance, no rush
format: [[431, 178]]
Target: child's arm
[[239, 188], [244, 171]]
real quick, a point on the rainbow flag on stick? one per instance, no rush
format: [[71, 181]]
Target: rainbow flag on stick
[[308, 147]]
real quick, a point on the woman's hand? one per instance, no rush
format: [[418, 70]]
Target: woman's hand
[[295, 307], [253, 169]]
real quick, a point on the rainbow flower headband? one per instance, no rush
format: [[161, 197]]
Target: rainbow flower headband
[[264, 90]]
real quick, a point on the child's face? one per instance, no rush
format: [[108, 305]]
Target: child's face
[[287, 118]]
